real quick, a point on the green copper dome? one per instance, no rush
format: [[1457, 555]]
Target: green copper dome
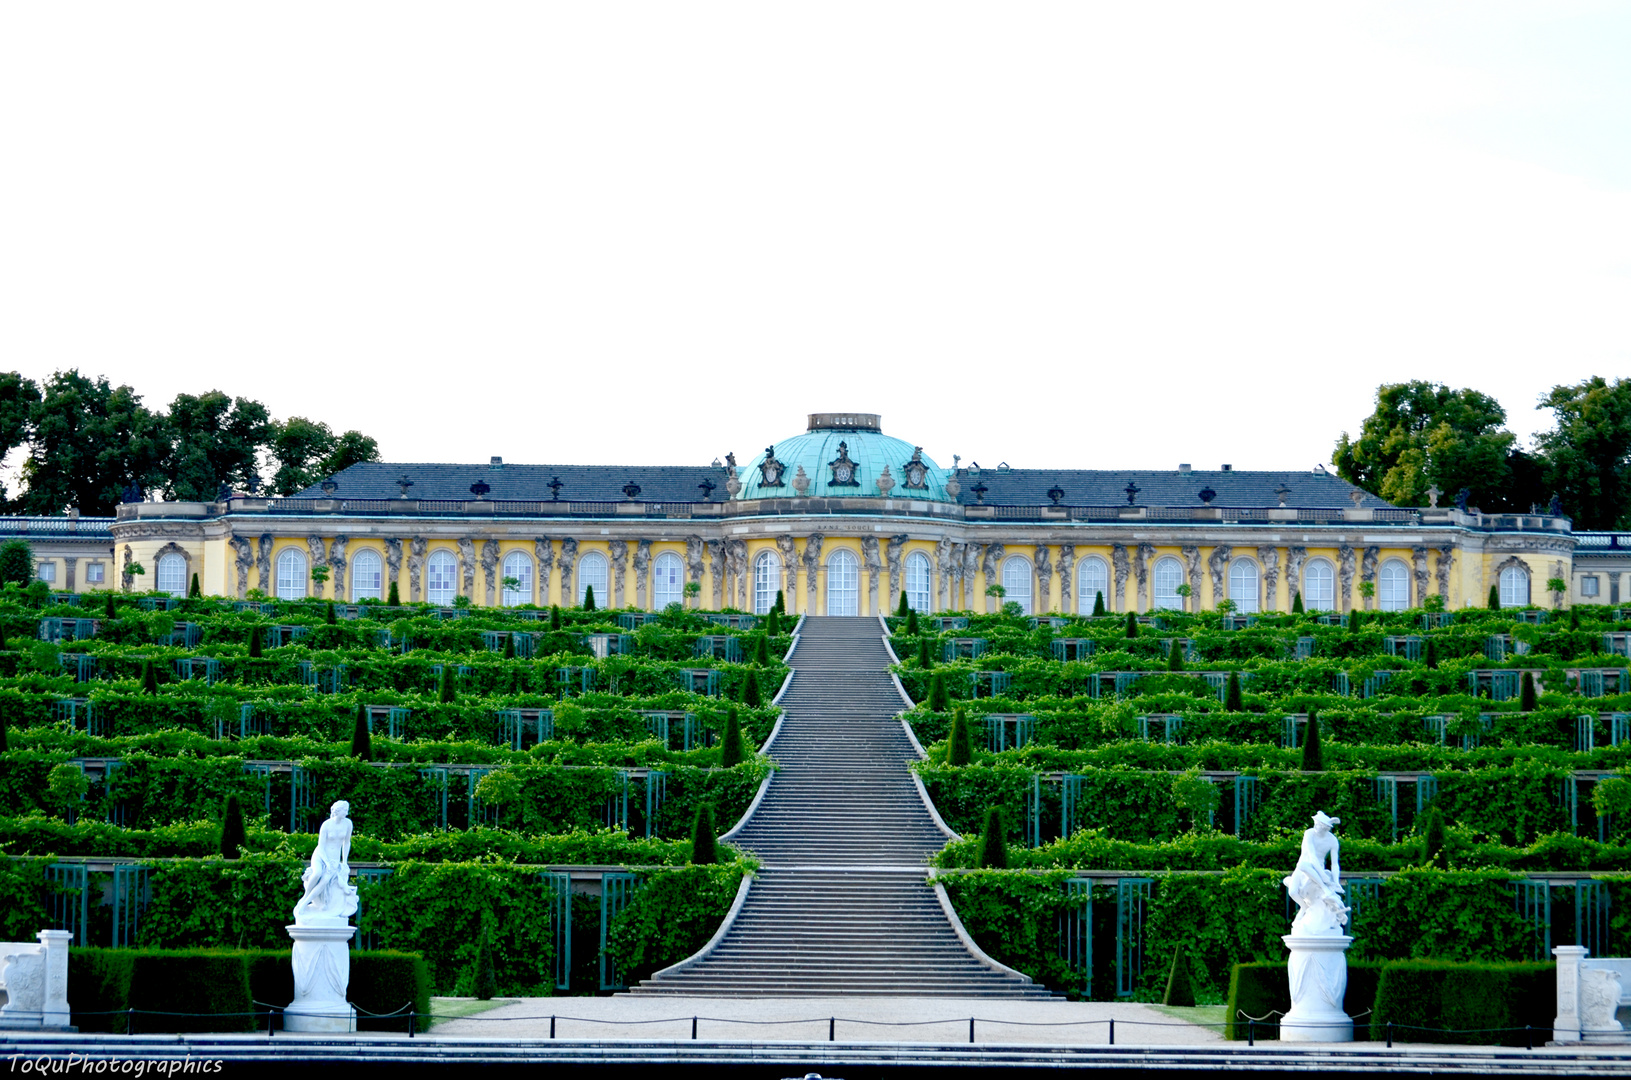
[[843, 455]]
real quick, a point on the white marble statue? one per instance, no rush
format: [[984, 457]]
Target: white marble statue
[[321, 932], [329, 894], [1318, 891], [1318, 969]]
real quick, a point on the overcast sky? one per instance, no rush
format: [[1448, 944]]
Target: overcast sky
[[1075, 235]]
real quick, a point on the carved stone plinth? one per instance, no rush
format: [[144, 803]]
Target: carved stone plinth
[[322, 972], [1318, 973]]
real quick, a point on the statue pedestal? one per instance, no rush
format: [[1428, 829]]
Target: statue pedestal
[[322, 971], [1318, 973]]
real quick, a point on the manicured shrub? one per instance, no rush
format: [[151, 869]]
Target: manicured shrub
[[1231, 694], [704, 844], [773, 624], [903, 608], [1297, 604], [1434, 840], [486, 979], [1180, 988], [761, 652], [1429, 655], [393, 597], [1098, 603], [1175, 656], [193, 591], [911, 623], [1471, 1004], [107, 608], [255, 641], [923, 660], [150, 678], [3, 736], [362, 742], [1354, 619], [588, 598], [1526, 693], [16, 562], [993, 847], [1132, 625], [1494, 601], [1261, 989], [446, 692], [730, 746], [328, 614], [959, 742], [233, 836], [509, 646], [781, 604], [554, 616], [939, 699], [1313, 756], [384, 982], [750, 690], [212, 985]]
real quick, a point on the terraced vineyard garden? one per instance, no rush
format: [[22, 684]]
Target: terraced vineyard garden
[[1154, 776], [528, 776]]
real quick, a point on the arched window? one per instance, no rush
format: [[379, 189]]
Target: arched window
[[667, 581], [1169, 574], [917, 582], [367, 576], [1243, 585], [843, 583], [517, 565], [171, 574], [441, 578], [1092, 581], [1319, 586], [291, 574], [767, 581], [592, 574], [1016, 582], [1393, 586], [1515, 587]]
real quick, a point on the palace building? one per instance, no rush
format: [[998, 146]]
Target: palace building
[[844, 518]]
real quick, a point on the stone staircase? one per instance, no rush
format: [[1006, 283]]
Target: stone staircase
[[840, 906]]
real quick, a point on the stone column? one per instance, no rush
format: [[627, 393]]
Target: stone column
[[1217, 564], [1192, 574], [1044, 580], [1345, 577], [943, 554], [1141, 568], [642, 573], [1446, 560], [54, 1011], [337, 563], [693, 568], [812, 565], [991, 570], [869, 556], [1367, 572], [620, 565], [322, 972], [1270, 558], [1295, 557], [543, 548], [393, 567], [1566, 1025], [971, 570], [567, 561], [243, 559], [892, 556], [716, 557], [1318, 974], [1418, 576], [263, 564], [1121, 568], [416, 566], [736, 561], [1067, 571], [319, 557], [489, 569], [787, 552], [467, 567]]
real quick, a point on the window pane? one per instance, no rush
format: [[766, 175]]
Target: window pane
[[667, 581], [1016, 582], [766, 582], [1243, 585], [917, 581], [1514, 587], [843, 584], [93, 573], [517, 566], [1169, 574], [1393, 586], [1092, 581], [592, 573], [1319, 586], [441, 573], [291, 574]]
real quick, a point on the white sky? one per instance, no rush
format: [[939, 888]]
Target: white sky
[[1073, 234]]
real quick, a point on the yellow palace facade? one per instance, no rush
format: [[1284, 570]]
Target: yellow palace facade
[[842, 519]]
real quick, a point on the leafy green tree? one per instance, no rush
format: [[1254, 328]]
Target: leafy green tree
[[1297, 603], [18, 396], [924, 661], [233, 835], [1231, 694], [939, 700], [213, 439], [150, 678], [1098, 602], [393, 597], [362, 740], [554, 616], [193, 591], [254, 641], [1180, 983], [89, 442], [1175, 656], [445, 691], [903, 609], [1494, 602], [704, 842], [306, 451], [1132, 625], [1434, 842], [509, 646], [731, 751], [959, 741], [588, 598], [1588, 455], [16, 562], [911, 622], [1526, 693], [1421, 434], [108, 610], [993, 854], [328, 614], [485, 986], [1313, 754]]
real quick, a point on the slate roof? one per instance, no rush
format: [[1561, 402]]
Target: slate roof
[[580, 483], [1096, 487]]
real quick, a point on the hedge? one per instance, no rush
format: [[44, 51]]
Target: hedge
[[1259, 990], [1421, 998]]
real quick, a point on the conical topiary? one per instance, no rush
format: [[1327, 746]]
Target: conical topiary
[[959, 741], [362, 742], [761, 651], [1494, 598], [254, 641], [773, 623], [1132, 625], [781, 603], [393, 598], [730, 747], [923, 659], [233, 836], [1526, 693], [993, 854], [486, 981], [1175, 656], [1354, 619], [751, 697], [911, 622], [1098, 602], [4, 738], [193, 591], [1297, 603], [588, 598], [445, 691], [107, 609], [1574, 618], [1180, 990], [1313, 756], [1231, 694], [328, 614], [903, 608], [1434, 843], [704, 845], [939, 700], [1430, 654], [150, 678], [554, 616], [509, 646]]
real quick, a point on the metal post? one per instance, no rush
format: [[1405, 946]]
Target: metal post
[[1251, 1032], [832, 1024], [413, 1022], [1390, 1034], [1528, 1037], [1112, 1031], [693, 1027], [551, 1027], [268, 1023], [971, 1029], [130, 1021]]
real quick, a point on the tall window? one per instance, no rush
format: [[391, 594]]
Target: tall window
[[1319, 586], [843, 584], [667, 581], [1514, 587], [917, 582], [1243, 585], [518, 566], [441, 578], [291, 574], [1393, 586], [367, 576], [592, 574], [1016, 582], [1168, 575], [1092, 581], [47, 571], [171, 575], [767, 579]]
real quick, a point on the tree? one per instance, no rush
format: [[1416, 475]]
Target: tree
[[254, 641], [911, 622], [752, 697], [212, 439], [445, 692], [904, 609], [1494, 602], [1430, 655], [193, 591], [1297, 603], [1526, 693], [993, 853], [362, 740], [307, 451], [924, 661], [1175, 656], [107, 610], [89, 441], [393, 598], [1180, 987], [731, 751], [761, 651], [1423, 434], [509, 646], [17, 397], [939, 700], [704, 844], [1588, 456], [588, 598], [3, 735], [1098, 603], [1132, 625], [16, 562], [1354, 619], [1231, 694], [1313, 755], [1434, 841], [233, 835], [150, 678], [773, 622], [780, 607], [959, 741], [554, 616], [485, 986]]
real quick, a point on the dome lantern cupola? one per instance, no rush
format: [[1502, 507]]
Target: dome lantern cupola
[[844, 455]]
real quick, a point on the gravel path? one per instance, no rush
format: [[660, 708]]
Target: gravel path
[[892, 1019]]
